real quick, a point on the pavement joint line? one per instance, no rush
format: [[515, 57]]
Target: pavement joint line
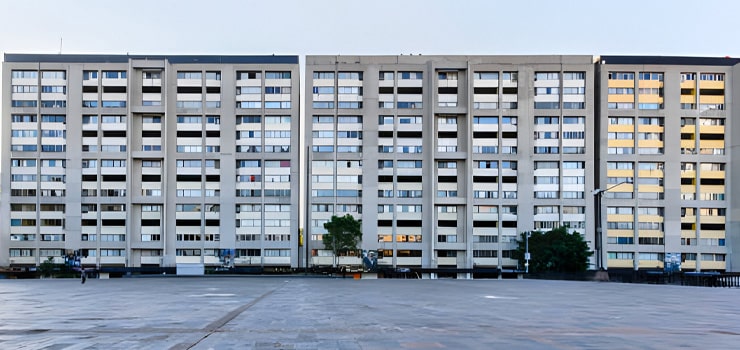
[[217, 324]]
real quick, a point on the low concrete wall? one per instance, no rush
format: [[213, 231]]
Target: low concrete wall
[[190, 269]]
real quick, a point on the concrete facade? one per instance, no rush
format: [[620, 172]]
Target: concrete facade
[[139, 161], [458, 154], [445, 159], [670, 132]]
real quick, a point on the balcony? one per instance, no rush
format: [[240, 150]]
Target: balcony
[[621, 84], [709, 99], [688, 84], [650, 84], [712, 84], [650, 264], [713, 265]]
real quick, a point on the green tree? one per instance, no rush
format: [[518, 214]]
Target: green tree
[[46, 268], [554, 251], [344, 234]]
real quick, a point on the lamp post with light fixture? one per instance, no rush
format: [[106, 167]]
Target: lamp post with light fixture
[[598, 193]]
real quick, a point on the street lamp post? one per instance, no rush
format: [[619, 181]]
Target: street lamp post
[[598, 193], [526, 252]]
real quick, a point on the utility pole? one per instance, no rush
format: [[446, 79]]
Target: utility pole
[[599, 246], [526, 252]]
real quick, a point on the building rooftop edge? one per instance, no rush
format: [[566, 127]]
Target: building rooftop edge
[[670, 60], [175, 59]]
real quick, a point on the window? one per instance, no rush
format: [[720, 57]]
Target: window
[[53, 75], [508, 164], [485, 76], [574, 76], [409, 105], [277, 75], [574, 165], [712, 77], [25, 88], [574, 91], [546, 76], [322, 105], [323, 75], [546, 120], [25, 74], [114, 74], [621, 91], [54, 89], [249, 75], [410, 75], [113, 163], [350, 75], [189, 75], [23, 103], [621, 76], [213, 75], [651, 76], [510, 76], [409, 164], [620, 105], [113, 119]]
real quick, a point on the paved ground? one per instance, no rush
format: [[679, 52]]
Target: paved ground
[[317, 313]]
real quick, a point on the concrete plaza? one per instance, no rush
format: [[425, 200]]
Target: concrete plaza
[[322, 313]]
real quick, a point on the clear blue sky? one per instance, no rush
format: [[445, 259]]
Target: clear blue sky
[[644, 27]]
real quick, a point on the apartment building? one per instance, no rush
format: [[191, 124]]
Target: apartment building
[[667, 154], [446, 159], [143, 161]]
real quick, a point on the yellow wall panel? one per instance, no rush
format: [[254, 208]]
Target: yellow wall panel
[[620, 173], [621, 143], [711, 84], [688, 234], [650, 173], [650, 99], [688, 265], [620, 233], [650, 218], [650, 84], [621, 98], [712, 189], [620, 218], [688, 143], [711, 99], [712, 234], [649, 143], [688, 84], [651, 188], [650, 264], [713, 174], [688, 99], [688, 220], [711, 144], [621, 83], [688, 189], [651, 234], [650, 128], [619, 263], [712, 265], [620, 128], [712, 129], [714, 219]]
